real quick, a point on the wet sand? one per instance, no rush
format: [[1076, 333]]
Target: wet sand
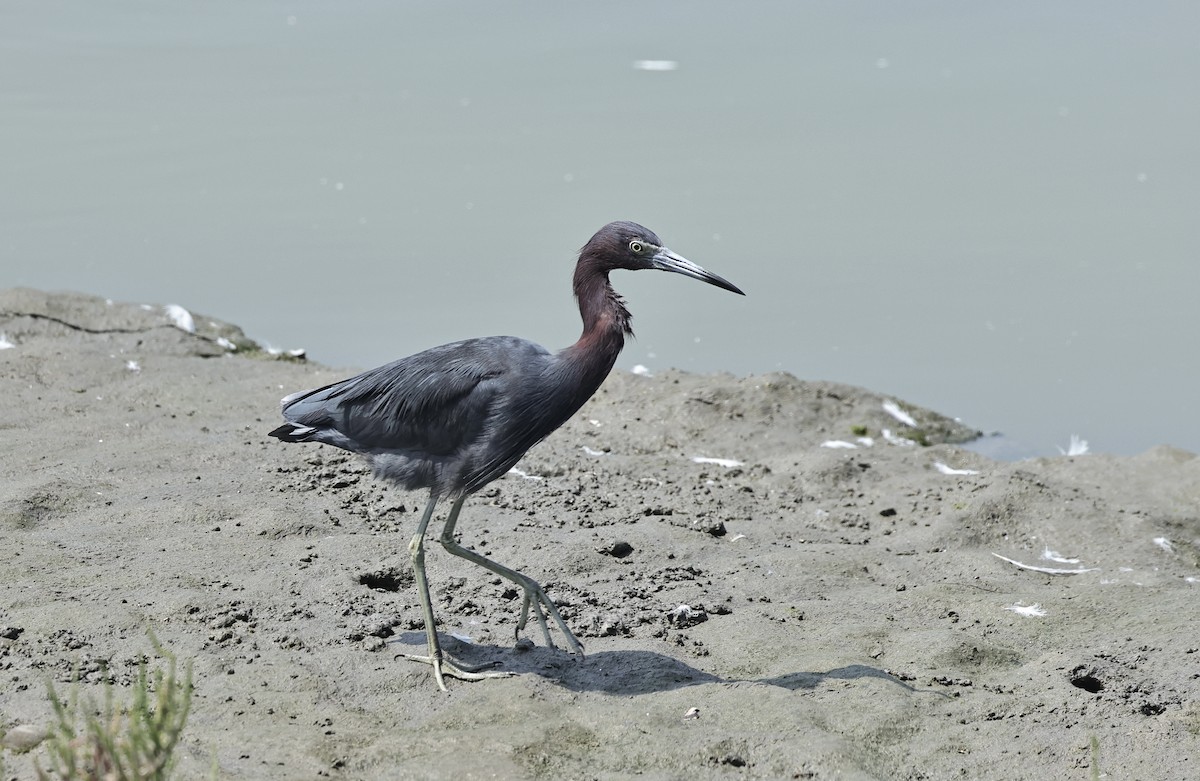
[[811, 612]]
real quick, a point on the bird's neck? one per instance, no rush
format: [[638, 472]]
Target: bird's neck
[[602, 310], [605, 326]]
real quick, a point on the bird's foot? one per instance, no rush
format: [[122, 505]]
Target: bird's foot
[[445, 666], [535, 598]]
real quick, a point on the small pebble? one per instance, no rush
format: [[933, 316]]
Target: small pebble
[[617, 550], [23, 737]]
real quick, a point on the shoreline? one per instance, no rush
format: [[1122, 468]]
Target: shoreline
[[848, 615]]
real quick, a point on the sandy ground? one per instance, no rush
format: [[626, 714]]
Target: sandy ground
[[821, 612]]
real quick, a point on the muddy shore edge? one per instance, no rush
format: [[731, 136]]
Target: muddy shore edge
[[755, 602]]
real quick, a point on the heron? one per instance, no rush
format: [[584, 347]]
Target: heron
[[454, 418]]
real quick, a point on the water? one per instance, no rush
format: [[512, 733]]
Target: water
[[990, 211]]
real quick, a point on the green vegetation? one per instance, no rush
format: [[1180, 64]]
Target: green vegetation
[[131, 743]]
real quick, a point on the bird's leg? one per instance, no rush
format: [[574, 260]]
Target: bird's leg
[[535, 595], [441, 664]]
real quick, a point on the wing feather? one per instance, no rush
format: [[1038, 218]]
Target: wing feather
[[432, 403]]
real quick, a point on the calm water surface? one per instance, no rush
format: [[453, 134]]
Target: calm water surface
[[990, 211]]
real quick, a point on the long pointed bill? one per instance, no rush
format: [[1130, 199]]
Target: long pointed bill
[[666, 260]]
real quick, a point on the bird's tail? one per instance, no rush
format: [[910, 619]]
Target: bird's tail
[[293, 432]]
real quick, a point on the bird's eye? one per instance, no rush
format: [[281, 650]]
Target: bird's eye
[[636, 247]]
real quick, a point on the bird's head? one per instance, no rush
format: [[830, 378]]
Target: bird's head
[[631, 246]]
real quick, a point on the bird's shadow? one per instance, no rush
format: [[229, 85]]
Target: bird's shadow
[[624, 672]]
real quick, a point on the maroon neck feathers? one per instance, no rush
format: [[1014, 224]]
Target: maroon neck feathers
[[599, 305], [605, 322]]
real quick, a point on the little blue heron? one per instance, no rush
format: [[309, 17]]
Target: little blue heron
[[456, 417]]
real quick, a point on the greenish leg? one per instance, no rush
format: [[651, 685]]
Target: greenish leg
[[535, 595], [442, 665]]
